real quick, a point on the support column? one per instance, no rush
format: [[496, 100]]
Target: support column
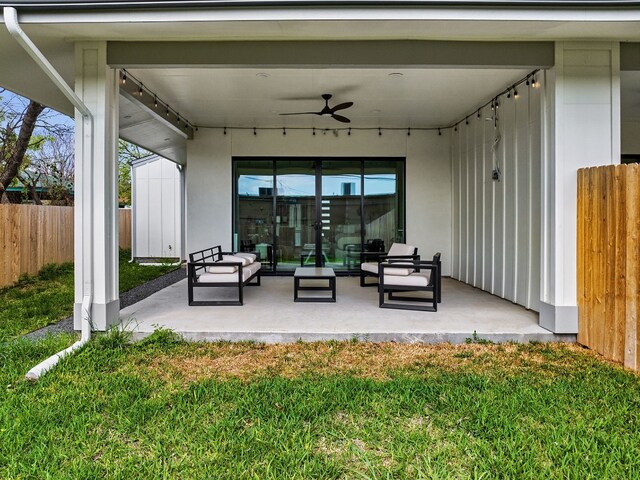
[[582, 129], [96, 207]]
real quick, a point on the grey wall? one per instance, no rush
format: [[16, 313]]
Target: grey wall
[[496, 224]]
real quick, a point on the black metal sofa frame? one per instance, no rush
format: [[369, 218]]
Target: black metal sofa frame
[[434, 286], [212, 257]]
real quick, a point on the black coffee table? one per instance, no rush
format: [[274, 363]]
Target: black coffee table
[[314, 273]]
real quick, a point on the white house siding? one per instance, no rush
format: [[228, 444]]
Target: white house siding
[[428, 172], [496, 224], [157, 205]]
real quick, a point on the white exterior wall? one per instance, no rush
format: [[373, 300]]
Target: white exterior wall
[[582, 120], [157, 209], [96, 192], [496, 224], [428, 171]]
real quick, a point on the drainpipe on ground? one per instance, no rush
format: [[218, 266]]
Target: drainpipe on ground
[[43, 367], [11, 21]]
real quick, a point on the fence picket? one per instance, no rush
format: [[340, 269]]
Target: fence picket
[[32, 236]]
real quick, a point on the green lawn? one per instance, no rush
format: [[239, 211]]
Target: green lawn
[[166, 409], [37, 301]]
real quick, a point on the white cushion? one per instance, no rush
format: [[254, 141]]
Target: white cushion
[[235, 259], [401, 249], [403, 272], [416, 279], [222, 269], [229, 277], [249, 256], [370, 267]]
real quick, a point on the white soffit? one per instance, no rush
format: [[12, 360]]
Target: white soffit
[[140, 127], [247, 97]]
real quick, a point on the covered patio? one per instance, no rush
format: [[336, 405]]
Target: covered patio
[[476, 119], [270, 315]]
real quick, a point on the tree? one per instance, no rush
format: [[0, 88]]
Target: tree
[[52, 166], [127, 154], [14, 146]]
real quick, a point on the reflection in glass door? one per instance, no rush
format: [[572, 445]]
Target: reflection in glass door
[[315, 212], [296, 223], [341, 233]]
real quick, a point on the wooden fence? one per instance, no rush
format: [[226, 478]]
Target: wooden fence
[[124, 228], [32, 236], [609, 262]]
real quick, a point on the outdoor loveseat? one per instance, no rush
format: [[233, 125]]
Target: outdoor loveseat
[[212, 267]]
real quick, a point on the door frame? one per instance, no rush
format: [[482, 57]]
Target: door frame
[[317, 163]]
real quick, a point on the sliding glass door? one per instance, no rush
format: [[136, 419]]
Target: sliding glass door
[[317, 212]]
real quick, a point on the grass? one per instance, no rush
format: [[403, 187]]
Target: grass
[[40, 300], [163, 408]]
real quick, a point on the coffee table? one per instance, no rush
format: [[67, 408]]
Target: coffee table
[[314, 273]]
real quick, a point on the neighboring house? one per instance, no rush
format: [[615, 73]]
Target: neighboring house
[[158, 209], [474, 116], [49, 190]]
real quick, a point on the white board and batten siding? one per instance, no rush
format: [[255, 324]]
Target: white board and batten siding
[[496, 223], [157, 209]]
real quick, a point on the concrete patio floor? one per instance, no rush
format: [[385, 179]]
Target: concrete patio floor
[[270, 315]]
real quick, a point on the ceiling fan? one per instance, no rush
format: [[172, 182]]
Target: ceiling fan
[[328, 111]]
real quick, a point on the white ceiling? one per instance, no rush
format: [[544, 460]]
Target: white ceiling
[[382, 98]]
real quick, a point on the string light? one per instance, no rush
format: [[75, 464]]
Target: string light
[[478, 113], [137, 89], [224, 131], [349, 132], [314, 131], [515, 93], [408, 132], [379, 132], [439, 132], [466, 121], [254, 131]]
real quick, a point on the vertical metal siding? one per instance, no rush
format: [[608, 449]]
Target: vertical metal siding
[[496, 224]]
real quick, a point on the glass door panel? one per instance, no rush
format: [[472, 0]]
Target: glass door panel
[[341, 233], [254, 210], [295, 216], [383, 204]]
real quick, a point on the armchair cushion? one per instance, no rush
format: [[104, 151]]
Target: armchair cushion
[[400, 249], [415, 279]]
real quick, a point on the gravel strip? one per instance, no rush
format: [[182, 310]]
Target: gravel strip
[[126, 298]]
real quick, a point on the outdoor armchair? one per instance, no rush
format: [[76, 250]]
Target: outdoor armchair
[[415, 276]]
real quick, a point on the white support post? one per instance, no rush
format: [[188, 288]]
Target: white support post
[[582, 129], [96, 209]]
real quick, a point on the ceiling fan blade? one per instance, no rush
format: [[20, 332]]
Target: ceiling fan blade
[[301, 113], [341, 106], [340, 118]]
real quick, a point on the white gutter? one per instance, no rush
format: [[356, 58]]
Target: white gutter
[[11, 20], [43, 367]]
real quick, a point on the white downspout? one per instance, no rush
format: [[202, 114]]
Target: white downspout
[[11, 21]]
